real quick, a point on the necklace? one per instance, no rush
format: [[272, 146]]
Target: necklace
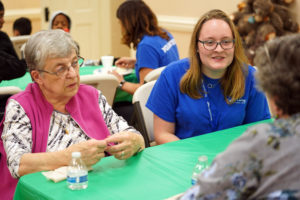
[[63, 121], [209, 82], [211, 85]]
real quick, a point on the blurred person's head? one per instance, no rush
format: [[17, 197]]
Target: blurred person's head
[[22, 26], [1, 14], [278, 64], [137, 20], [60, 20]]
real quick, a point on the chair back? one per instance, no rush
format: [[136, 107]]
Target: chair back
[[106, 83], [142, 116], [5, 93], [18, 43], [9, 90], [154, 74]]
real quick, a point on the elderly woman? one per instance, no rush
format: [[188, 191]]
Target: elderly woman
[[213, 89], [264, 162], [56, 115]]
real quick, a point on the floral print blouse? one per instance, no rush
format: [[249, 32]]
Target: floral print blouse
[[264, 163]]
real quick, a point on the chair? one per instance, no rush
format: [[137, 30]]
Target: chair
[[18, 42], [5, 93], [154, 74], [9, 90], [142, 118], [106, 83]]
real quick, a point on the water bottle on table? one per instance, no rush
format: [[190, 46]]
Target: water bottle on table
[[77, 174], [199, 168]]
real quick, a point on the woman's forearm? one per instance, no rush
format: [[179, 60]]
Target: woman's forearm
[[165, 137], [130, 87], [164, 131], [35, 162]]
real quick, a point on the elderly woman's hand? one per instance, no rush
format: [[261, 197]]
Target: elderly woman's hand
[[126, 144], [91, 150]]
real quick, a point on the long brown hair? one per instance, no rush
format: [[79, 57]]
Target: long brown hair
[[137, 20], [233, 81]]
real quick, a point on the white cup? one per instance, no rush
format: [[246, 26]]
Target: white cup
[[107, 61]]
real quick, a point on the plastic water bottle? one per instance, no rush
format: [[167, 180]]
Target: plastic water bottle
[[199, 168], [77, 175]]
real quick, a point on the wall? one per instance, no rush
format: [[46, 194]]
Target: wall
[[20, 8], [179, 16]]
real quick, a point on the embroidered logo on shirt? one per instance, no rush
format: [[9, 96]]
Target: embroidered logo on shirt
[[238, 101]]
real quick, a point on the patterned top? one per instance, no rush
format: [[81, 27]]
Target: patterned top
[[263, 163], [63, 131]]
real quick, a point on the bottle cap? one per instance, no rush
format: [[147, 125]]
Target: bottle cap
[[76, 154], [202, 158]]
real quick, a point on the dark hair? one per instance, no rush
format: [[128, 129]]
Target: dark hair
[[137, 20], [278, 64], [23, 25], [63, 14], [1, 6]]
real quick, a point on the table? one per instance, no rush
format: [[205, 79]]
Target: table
[[154, 174], [120, 94]]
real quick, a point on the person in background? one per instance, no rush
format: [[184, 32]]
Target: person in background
[[56, 115], [263, 163], [10, 66], [155, 47], [5, 43], [22, 26], [213, 89], [60, 20]]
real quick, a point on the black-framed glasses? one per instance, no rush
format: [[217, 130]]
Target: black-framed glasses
[[63, 70], [211, 45]]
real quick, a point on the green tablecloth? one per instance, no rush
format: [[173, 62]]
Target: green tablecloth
[[120, 95], [154, 174]]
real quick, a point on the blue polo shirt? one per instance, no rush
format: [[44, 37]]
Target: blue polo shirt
[[154, 52], [194, 117]]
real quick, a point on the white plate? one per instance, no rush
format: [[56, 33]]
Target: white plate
[[122, 71]]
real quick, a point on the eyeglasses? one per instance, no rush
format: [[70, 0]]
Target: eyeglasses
[[63, 70], [211, 45], [267, 53]]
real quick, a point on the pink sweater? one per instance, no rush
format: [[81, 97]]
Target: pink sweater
[[84, 109]]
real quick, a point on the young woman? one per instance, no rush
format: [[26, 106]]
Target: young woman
[[263, 163], [213, 89], [155, 47]]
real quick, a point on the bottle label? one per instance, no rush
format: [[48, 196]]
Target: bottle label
[[78, 179], [194, 181]]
